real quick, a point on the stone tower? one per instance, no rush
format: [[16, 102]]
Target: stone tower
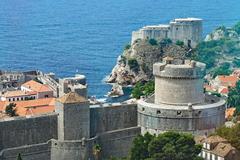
[[179, 102], [188, 30], [74, 117]]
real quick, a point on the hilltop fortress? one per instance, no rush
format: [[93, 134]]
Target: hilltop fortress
[[188, 30], [76, 127]]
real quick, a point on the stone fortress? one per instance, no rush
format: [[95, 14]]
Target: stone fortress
[[188, 30], [77, 126], [179, 102]]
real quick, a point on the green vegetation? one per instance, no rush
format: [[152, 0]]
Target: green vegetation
[[19, 156], [231, 134], [165, 42], [143, 89], [133, 64], [166, 146], [222, 70], [96, 151], [179, 43], [152, 41], [237, 28], [233, 99], [127, 47], [210, 52], [236, 62], [11, 110]]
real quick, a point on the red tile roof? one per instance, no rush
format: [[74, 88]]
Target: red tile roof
[[229, 112], [228, 80], [32, 107], [18, 93], [224, 91], [37, 87]]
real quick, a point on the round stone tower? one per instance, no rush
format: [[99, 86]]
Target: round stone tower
[[179, 102], [188, 30]]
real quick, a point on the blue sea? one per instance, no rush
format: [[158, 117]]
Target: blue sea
[[87, 36]]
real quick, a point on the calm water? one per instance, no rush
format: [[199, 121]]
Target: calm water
[[69, 36]]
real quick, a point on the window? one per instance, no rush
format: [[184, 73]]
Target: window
[[143, 109], [179, 113], [177, 28], [158, 112], [208, 146], [13, 99]]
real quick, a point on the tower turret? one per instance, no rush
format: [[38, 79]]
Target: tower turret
[[74, 117]]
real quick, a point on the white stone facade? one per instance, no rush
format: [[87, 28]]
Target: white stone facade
[[188, 30]]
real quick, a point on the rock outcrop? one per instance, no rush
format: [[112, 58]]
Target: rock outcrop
[[135, 64], [222, 32]]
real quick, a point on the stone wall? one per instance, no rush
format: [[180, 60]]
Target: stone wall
[[29, 152], [22, 131], [113, 117], [71, 150], [115, 143]]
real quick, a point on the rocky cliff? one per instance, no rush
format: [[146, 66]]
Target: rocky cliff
[[135, 64]]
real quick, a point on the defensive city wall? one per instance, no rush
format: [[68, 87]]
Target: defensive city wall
[[113, 127]]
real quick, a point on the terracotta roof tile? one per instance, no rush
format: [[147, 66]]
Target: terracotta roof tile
[[18, 93], [35, 86], [71, 97], [214, 139], [32, 107], [223, 149], [229, 112], [228, 80]]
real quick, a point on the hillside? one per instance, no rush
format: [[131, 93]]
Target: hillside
[[220, 50], [136, 62]]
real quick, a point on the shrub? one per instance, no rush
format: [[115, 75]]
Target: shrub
[[127, 47], [179, 43], [236, 62], [133, 64], [11, 109], [152, 41], [165, 41], [143, 89], [237, 27]]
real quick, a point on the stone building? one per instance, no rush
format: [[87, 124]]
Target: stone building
[[179, 102], [76, 126], [217, 148], [188, 30]]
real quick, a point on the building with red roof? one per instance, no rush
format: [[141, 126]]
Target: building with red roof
[[31, 107], [42, 90]]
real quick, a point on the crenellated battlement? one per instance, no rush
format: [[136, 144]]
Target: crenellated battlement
[[179, 69]]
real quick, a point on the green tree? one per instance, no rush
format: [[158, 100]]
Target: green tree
[[174, 146], [143, 89], [233, 99], [152, 41], [179, 43], [222, 70], [133, 64], [11, 110], [237, 27], [19, 156], [139, 150], [166, 146], [127, 47]]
